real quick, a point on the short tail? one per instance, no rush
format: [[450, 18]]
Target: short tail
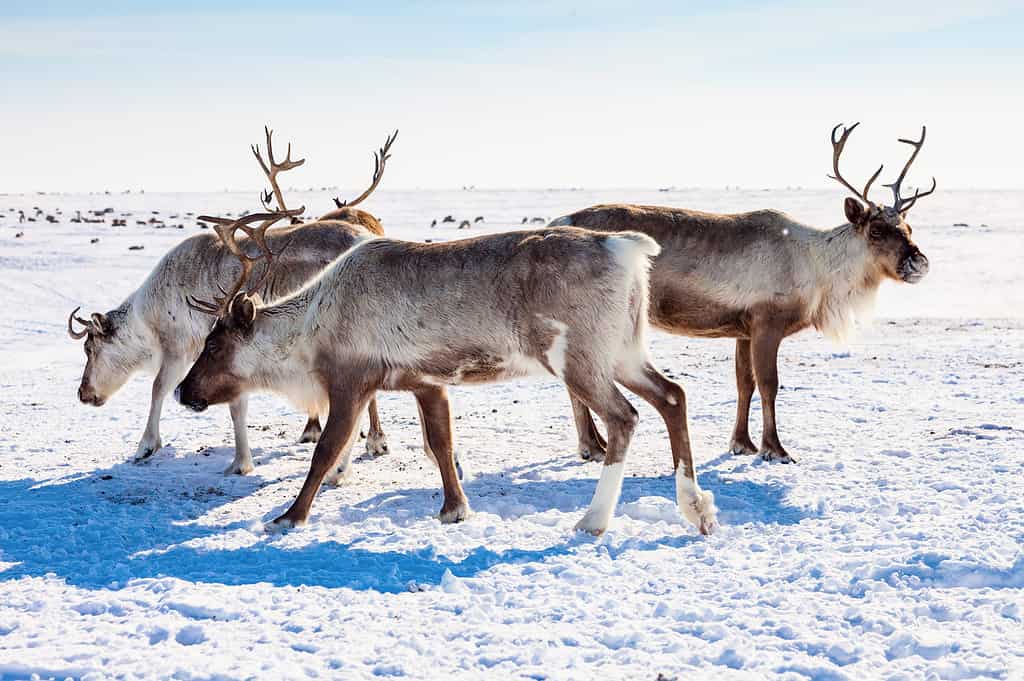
[[628, 246]]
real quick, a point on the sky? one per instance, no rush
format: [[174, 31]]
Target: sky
[[168, 96]]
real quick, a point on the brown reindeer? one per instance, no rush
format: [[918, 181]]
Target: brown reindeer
[[567, 303], [759, 277]]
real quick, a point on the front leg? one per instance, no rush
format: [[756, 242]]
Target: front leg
[[242, 463], [346, 406], [171, 372], [376, 441], [765, 355]]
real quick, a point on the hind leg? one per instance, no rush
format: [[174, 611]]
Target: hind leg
[[668, 397], [592, 445], [620, 418], [741, 443]]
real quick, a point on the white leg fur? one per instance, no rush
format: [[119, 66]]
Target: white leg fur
[[376, 444], [696, 505], [606, 498], [242, 464]]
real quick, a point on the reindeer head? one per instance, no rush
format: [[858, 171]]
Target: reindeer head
[[112, 353], [884, 228], [223, 370]]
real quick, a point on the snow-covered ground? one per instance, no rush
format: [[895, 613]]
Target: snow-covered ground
[[893, 550]]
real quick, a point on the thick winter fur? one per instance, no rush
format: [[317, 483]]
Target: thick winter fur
[[555, 302], [759, 277], [155, 331]]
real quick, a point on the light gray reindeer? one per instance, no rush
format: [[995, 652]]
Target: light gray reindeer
[[156, 330], [566, 303], [759, 277]]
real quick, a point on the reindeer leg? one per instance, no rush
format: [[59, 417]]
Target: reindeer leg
[[376, 442], [171, 373], [668, 397], [242, 463], [436, 421], [620, 418], [741, 443], [311, 432], [592, 446], [765, 354], [339, 431]]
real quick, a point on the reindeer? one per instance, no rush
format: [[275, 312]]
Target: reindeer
[[761, 276], [155, 329], [567, 303]]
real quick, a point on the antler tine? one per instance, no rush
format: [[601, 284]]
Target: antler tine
[[78, 335], [900, 204], [837, 151], [380, 159], [274, 168]]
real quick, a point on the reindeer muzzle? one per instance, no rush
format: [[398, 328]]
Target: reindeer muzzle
[[914, 268], [190, 402]]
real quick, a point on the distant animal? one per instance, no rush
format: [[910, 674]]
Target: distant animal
[[465, 224], [564, 303], [525, 220], [478, 218], [157, 329], [537, 221], [136, 248], [433, 223], [759, 277], [448, 218]]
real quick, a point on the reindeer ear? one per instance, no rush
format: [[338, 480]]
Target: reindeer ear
[[243, 311], [856, 213], [100, 322]]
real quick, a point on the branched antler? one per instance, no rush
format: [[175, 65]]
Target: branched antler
[[380, 159], [226, 229], [901, 204], [273, 169], [88, 326], [837, 150]]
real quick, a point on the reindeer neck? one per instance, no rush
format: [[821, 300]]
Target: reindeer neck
[[847, 281]]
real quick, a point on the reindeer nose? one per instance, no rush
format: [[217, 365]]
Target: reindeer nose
[[193, 403], [85, 393]]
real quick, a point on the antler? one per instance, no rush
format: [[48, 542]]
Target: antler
[[88, 325], [380, 159], [900, 204], [274, 168], [837, 150], [226, 229]]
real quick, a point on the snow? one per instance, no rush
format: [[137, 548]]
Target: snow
[[892, 550]]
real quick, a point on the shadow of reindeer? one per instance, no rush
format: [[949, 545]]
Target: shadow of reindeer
[[103, 528]]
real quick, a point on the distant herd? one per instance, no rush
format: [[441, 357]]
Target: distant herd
[[329, 312]]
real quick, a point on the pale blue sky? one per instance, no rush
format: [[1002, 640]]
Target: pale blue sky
[[167, 96]]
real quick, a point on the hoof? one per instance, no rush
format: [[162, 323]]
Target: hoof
[[592, 526], [144, 452], [742, 448], [777, 457], [701, 511], [282, 524], [339, 477], [309, 436], [376, 444], [240, 468], [455, 515]]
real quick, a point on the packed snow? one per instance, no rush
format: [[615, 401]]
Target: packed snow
[[892, 550]]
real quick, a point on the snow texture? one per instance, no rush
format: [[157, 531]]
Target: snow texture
[[892, 550]]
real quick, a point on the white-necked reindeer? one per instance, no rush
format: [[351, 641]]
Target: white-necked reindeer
[[567, 303], [155, 330], [761, 276]]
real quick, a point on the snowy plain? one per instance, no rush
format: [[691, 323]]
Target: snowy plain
[[892, 550]]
